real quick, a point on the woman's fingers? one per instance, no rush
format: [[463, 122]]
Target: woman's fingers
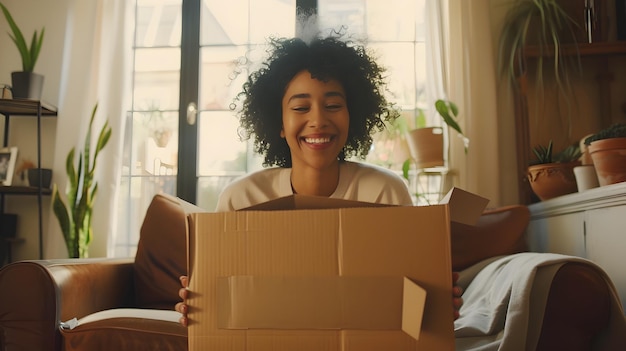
[[183, 321], [181, 307]]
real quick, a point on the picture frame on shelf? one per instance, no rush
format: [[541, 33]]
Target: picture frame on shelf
[[8, 158]]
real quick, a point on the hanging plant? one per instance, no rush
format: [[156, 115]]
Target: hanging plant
[[75, 218]]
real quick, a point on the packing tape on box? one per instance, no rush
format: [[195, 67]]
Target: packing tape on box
[[323, 302]]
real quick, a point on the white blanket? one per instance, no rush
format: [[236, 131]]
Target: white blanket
[[498, 292]]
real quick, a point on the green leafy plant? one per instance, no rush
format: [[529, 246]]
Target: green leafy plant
[[29, 54], [617, 130], [449, 112], [544, 154], [75, 218], [543, 23]]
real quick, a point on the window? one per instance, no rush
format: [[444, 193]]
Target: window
[[227, 31]]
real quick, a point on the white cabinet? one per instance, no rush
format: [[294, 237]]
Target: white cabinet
[[606, 243], [591, 224]]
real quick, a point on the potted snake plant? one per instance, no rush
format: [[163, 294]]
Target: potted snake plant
[[75, 216], [26, 83]]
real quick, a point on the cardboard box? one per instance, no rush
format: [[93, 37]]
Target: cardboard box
[[307, 273]]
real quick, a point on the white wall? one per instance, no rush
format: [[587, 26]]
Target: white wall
[[31, 15]]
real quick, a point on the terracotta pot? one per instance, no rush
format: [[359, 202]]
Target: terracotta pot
[[426, 146], [550, 180], [609, 159]]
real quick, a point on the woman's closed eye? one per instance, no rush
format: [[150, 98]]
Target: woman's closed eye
[[334, 106], [301, 108]]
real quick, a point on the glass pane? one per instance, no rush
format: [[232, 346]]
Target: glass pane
[[209, 189], [224, 22], [348, 13], [158, 23], [399, 60], [220, 151], [391, 20], [218, 84], [157, 78], [155, 143], [271, 17]]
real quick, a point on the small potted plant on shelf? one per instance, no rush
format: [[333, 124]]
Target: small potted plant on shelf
[[552, 175], [426, 143], [608, 153], [29, 174], [26, 83]]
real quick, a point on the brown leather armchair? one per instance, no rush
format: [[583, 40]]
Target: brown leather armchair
[[130, 301], [137, 294]]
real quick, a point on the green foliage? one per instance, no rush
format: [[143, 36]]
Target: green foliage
[[544, 154], [543, 23], [29, 54], [449, 112], [75, 217], [617, 130], [569, 154]]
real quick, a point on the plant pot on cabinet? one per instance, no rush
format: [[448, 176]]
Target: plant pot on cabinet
[[586, 177], [609, 160], [426, 146], [27, 85], [33, 177], [551, 180]]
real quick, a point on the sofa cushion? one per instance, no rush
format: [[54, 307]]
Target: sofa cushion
[[499, 231], [127, 329], [162, 252]]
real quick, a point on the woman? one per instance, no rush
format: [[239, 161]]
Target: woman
[[309, 107]]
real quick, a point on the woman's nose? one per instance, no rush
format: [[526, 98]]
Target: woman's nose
[[318, 117]]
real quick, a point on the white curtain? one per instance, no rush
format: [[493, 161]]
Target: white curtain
[[96, 69], [468, 73]]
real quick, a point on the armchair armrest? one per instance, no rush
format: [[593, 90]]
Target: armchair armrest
[[36, 295]]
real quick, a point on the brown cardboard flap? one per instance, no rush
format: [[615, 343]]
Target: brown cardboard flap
[[305, 202], [465, 207], [324, 302], [413, 302]]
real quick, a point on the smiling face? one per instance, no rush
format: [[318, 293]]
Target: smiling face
[[315, 122]]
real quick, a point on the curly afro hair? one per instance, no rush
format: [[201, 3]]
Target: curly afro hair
[[327, 58]]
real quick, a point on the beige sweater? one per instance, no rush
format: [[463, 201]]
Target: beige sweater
[[357, 182]]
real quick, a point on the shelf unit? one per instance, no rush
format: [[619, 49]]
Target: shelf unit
[[12, 108], [602, 50]]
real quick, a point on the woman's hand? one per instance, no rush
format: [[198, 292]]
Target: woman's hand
[[181, 307], [457, 292]]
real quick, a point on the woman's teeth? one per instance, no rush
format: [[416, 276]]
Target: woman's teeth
[[317, 140]]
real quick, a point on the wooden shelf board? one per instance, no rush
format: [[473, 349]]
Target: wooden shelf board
[[26, 107], [584, 49], [24, 190]]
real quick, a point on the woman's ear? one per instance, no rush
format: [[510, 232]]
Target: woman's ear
[[282, 133]]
